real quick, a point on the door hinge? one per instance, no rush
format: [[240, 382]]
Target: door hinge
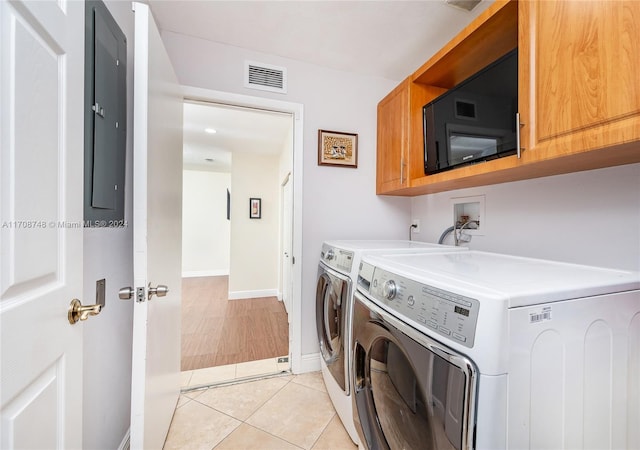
[[140, 297]]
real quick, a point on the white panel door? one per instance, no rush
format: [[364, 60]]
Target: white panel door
[[157, 234], [41, 93]]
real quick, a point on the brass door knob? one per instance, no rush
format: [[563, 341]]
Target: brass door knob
[[79, 312]]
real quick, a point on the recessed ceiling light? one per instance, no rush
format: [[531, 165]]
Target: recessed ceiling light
[[210, 130]]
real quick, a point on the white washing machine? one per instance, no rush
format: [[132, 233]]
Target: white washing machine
[[474, 350], [337, 276]]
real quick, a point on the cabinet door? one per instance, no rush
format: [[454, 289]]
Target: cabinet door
[[579, 67], [393, 124]]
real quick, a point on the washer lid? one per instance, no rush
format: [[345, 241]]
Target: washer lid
[[344, 255], [518, 281], [390, 245]]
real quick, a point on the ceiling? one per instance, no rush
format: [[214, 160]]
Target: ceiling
[[389, 38], [386, 38], [236, 130]]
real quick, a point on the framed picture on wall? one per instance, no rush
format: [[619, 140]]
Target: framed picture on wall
[[336, 148], [255, 208]]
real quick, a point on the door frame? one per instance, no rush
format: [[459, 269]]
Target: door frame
[[191, 93], [285, 292]]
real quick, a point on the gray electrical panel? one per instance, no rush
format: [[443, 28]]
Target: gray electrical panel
[[105, 117]]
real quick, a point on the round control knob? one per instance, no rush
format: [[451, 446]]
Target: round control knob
[[329, 255], [411, 301], [389, 289]]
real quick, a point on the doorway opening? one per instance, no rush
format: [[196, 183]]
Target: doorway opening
[[237, 242]]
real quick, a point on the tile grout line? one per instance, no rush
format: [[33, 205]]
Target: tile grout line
[[292, 380], [226, 414], [324, 429], [240, 422], [324, 391], [251, 415], [270, 434], [264, 403]]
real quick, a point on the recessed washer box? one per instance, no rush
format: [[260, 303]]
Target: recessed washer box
[[469, 210]]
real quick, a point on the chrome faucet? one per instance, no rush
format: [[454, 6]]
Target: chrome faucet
[[456, 237]]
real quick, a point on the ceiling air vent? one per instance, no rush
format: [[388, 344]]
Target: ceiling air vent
[[265, 77], [467, 5]]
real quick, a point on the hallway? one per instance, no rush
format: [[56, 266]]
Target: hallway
[[217, 331]]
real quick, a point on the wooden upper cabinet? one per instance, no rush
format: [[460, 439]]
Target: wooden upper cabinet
[[400, 153], [579, 81], [400, 157], [393, 132], [578, 94]]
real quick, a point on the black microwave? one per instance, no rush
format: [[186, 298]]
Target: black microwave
[[475, 120]]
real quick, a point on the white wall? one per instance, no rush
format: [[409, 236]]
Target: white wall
[[107, 337], [588, 217], [205, 228], [254, 242], [338, 203]]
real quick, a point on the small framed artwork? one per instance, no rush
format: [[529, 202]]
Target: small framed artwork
[[337, 149], [255, 208]]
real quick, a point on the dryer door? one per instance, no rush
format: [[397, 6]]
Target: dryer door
[[410, 392], [331, 297]]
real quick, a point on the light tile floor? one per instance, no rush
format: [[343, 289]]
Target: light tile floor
[[278, 413]]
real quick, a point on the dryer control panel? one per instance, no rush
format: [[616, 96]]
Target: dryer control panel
[[433, 310], [337, 258]]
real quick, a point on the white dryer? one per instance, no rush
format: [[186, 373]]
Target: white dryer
[[337, 276], [473, 350]]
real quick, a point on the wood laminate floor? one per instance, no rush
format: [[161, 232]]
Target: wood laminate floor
[[217, 331]]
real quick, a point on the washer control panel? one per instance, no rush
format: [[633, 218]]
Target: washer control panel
[[450, 315], [341, 260]]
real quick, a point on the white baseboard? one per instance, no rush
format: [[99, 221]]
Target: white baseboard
[[238, 295], [126, 443], [204, 273], [308, 363]]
